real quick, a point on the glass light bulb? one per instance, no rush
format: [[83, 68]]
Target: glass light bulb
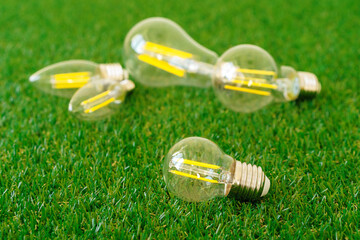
[[158, 52], [99, 99], [195, 169], [247, 78], [64, 78]]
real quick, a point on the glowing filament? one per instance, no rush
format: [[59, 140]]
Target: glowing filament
[[250, 82], [255, 71], [193, 176], [200, 164], [149, 57], [70, 80], [162, 65], [247, 90], [104, 99], [255, 84], [163, 50], [197, 170]]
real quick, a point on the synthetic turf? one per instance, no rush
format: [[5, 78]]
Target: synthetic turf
[[61, 177]]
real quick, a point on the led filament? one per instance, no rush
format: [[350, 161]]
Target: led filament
[[70, 80], [162, 57], [249, 84], [101, 100], [204, 171]]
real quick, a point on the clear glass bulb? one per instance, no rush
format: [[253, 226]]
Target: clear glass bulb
[[246, 79], [64, 78], [158, 53], [99, 99], [195, 169]]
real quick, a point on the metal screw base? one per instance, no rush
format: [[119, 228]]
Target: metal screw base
[[249, 183], [113, 71], [309, 85]]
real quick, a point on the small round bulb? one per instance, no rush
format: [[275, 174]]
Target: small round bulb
[[158, 53], [195, 169], [247, 78], [99, 99], [64, 78]]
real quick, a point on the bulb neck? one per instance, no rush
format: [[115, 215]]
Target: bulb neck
[[309, 85], [128, 85], [113, 71], [249, 182], [125, 85]]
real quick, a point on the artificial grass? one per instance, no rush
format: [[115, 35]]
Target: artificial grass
[[61, 177]]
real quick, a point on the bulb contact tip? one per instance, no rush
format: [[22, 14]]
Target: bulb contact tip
[[309, 85], [266, 187]]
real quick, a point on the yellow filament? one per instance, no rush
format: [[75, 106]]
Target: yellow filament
[[103, 104], [70, 80], [95, 98], [193, 176], [200, 164], [261, 80], [62, 76], [255, 84], [247, 90], [69, 85], [162, 65], [160, 49], [255, 71]]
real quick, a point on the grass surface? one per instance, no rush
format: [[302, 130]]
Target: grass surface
[[60, 177]]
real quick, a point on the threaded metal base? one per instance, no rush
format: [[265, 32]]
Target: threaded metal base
[[309, 85], [249, 183], [113, 71]]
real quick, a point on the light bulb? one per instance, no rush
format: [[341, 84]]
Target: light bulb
[[246, 79], [158, 52], [99, 99], [64, 78], [195, 169]]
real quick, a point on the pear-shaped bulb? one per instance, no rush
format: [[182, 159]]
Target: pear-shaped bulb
[[247, 78], [196, 169], [64, 78], [158, 53], [99, 99]]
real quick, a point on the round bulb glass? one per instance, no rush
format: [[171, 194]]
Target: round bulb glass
[[247, 78], [196, 169]]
